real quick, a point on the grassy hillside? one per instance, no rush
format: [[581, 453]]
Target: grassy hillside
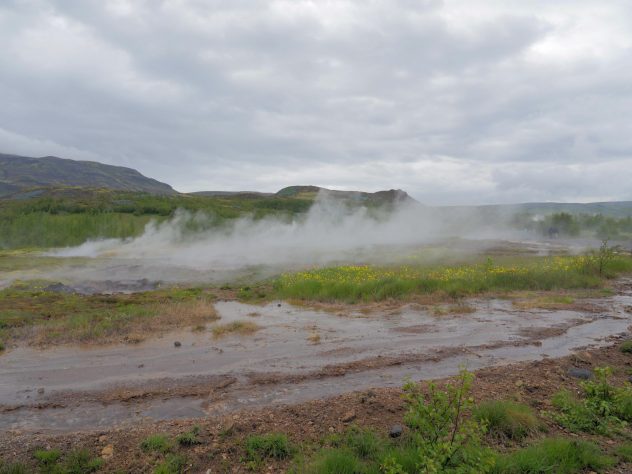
[[70, 216], [20, 173]]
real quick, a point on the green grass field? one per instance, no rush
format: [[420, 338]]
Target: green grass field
[[366, 283]]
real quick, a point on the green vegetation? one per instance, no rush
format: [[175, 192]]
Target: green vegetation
[[47, 457], [440, 438], [70, 216], [67, 317], [558, 455], [368, 283], [602, 409], [268, 446], [13, 468], [507, 419], [173, 464], [572, 225], [75, 462], [626, 347], [158, 443], [190, 438], [624, 451]]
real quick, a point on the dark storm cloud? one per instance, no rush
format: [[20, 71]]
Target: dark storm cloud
[[455, 101]]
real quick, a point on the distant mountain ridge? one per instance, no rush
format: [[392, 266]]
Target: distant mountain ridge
[[21, 173]]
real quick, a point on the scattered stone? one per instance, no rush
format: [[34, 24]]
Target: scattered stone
[[278, 305], [107, 452], [140, 366], [348, 417], [396, 431], [583, 374], [177, 343], [40, 390]]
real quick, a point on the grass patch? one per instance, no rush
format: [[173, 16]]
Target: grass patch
[[13, 468], [59, 317], [173, 464], [554, 455], [157, 443], [236, 327], [336, 461], [359, 283], [268, 446], [47, 457], [507, 420], [624, 452], [190, 438], [626, 347]]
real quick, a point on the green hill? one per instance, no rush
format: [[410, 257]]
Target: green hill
[[20, 173]]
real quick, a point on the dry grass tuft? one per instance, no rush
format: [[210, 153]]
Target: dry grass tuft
[[236, 327], [459, 308], [314, 337]]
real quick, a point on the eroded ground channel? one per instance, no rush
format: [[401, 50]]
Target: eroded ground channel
[[298, 354]]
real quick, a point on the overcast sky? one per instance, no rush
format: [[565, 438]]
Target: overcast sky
[[455, 101]]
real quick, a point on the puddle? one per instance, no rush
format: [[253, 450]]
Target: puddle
[[73, 388]]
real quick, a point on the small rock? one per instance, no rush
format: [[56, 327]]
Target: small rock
[[331, 429], [278, 305], [348, 417], [396, 431], [40, 390], [177, 343], [140, 366], [102, 439], [583, 374], [107, 452], [519, 383]]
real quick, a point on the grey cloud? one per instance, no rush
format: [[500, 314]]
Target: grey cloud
[[445, 99]]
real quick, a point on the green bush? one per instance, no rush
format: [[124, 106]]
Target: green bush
[[602, 408], [444, 438], [626, 347], [507, 419], [156, 443], [271, 446], [554, 455]]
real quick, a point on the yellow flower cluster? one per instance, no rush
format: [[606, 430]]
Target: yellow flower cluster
[[362, 274], [354, 274]]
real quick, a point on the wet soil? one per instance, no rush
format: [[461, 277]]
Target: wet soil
[[308, 423], [73, 388]]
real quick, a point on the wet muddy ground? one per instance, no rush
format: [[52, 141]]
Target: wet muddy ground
[[298, 355]]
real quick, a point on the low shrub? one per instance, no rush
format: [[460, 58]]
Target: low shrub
[[268, 446], [156, 443], [507, 419], [554, 455]]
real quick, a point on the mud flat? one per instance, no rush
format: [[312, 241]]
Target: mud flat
[[298, 355]]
